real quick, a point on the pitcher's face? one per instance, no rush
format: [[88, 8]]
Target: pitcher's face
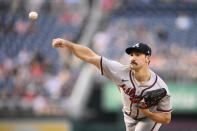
[[138, 60]]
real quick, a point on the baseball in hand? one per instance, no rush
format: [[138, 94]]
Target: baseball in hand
[[33, 15]]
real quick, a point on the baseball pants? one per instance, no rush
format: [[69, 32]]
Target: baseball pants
[[145, 124]]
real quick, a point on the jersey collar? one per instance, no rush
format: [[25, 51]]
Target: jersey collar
[[147, 84]]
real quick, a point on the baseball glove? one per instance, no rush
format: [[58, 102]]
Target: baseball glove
[[152, 98]]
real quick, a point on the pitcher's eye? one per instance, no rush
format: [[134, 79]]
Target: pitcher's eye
[[137, 54]]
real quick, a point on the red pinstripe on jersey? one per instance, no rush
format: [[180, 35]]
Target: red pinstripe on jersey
[[101, 65], [133, 91], [130, 108], [154, 126], [131, 80]]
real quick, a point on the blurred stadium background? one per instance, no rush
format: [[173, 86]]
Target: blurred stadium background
[[46, 89]]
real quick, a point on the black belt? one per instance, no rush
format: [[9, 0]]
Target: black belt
[[137, 119]]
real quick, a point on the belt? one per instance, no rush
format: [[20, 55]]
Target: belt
[[137, 119]]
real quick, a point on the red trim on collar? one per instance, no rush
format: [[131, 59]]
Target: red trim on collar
[[131, 80], [137, 113], [149, 86]]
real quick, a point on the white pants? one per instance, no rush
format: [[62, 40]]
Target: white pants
[[145, 124]]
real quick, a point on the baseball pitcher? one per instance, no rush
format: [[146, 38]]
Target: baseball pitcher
[[145, 96]]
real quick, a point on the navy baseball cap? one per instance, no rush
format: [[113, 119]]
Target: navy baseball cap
[[141, 47]]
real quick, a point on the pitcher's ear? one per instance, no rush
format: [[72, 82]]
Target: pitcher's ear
[[148, 58]]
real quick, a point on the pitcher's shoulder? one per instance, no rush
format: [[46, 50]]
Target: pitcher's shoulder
[[162, 84], [160, 81]]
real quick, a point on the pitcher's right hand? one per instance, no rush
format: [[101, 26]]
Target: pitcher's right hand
[[59, 43]]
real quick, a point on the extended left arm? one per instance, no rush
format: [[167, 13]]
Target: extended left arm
[[159, 117]]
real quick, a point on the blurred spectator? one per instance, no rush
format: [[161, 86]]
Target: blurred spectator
[[37, 68], [183, 22], [100, 41], [143, 33], [21, 27], [109, 5], [7, 25], [72, 2], [34, 5], [41, 105], [54, 84], [162, 33], [74, 19], [24, 57]]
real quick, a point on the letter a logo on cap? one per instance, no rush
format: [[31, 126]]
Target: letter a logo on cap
[[136, 45]]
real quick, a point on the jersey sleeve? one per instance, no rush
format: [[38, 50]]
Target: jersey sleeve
[[165, 104], [111, 69]]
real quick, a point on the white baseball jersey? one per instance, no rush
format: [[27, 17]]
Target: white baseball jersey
[[131, 91]]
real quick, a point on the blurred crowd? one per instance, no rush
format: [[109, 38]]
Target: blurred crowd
[[28, 83], [31, 84], [34, 78]]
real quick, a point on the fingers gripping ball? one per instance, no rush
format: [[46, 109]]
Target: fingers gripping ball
[[58, 43], [33, 15], [152, 98]]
